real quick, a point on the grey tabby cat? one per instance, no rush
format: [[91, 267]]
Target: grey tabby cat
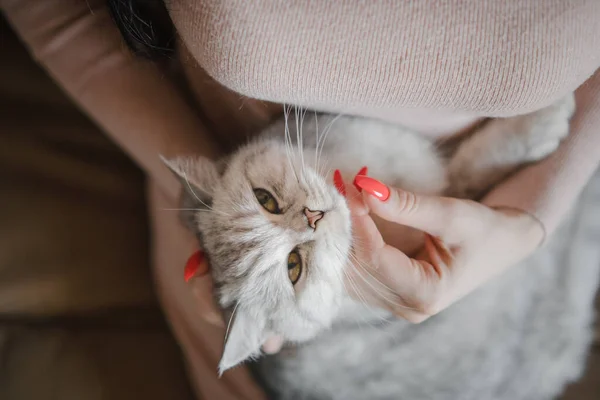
[[279, 238]]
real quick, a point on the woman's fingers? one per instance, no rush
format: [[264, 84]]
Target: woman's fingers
[[202, 289], [438, 216], [365, 235], [402, 285], [195, 265], [383, 276], [196, 274], [417, 282]]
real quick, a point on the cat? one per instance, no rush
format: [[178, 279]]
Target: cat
[[278, 237]]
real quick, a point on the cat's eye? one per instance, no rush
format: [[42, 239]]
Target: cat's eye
[[294, 266], [267, 201]]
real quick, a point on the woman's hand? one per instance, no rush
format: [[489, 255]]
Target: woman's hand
[[466, 244]]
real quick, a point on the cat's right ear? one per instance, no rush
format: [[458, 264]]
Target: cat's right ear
[[243, 339], [198, 175]]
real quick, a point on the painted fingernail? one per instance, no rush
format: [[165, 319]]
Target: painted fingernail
[[363, 171], [373, 187], [193, 265], [339, 182]]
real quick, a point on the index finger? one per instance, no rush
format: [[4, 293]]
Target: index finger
[[443, 217]]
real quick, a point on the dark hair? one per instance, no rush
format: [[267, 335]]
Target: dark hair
[[145, 26]]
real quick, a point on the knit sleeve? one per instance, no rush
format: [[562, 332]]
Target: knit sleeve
[[548, 189], [78, 44]]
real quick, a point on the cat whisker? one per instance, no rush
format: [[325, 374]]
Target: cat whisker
[[230, 320], [324, 136], [365, 267], [236, 207], [356, 290], [187, 182], [327, 173], [325, 166], [288, 140], [378, 292], [186, 209], [357, 246], [361, 298], [299, 143], [316, 141], [185, 178], [302, 135]]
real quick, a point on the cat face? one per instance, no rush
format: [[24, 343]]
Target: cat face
[[277, 237]]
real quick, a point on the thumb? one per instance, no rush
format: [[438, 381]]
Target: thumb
[[431, 214]]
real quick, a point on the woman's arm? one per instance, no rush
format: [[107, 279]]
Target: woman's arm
[[549, 188], [134, 102]]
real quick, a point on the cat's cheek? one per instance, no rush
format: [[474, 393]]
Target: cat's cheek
[[300, 286]]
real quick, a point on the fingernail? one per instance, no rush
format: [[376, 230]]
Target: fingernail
[[363, 171], [339, 182], [193, 264], [373, 187]]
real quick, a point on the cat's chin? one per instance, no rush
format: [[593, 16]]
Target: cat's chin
[[355, 311]]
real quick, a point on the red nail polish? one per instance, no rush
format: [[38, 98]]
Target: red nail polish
[[339, 182], [363, 171], [193, 265], [373, 187]]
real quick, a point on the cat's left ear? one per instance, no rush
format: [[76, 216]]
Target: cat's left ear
[[243, 341], [199, 176]]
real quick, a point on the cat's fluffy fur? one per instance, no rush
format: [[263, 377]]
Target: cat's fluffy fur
[[512, 339]]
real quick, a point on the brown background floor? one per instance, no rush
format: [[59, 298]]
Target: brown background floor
[[588, 388]]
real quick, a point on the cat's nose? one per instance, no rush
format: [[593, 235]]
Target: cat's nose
[[313, 217]]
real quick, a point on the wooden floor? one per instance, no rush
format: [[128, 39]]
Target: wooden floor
[[588, 388]]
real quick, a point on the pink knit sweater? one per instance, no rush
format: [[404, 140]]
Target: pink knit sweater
[[434, 65]]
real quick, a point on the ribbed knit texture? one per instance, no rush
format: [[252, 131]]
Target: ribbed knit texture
[[427, 64]]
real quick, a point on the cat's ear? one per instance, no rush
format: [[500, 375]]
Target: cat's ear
[[243, 341], [199, 176]]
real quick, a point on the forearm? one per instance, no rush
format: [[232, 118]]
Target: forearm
[[549, 188], [131, 99]]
